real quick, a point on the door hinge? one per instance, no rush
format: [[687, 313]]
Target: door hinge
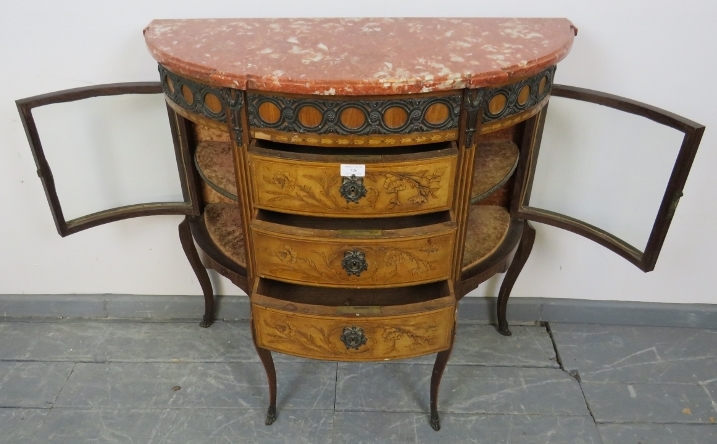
[[673, 205]]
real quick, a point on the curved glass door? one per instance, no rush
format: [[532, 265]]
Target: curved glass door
[[690, 134], [188, 206]]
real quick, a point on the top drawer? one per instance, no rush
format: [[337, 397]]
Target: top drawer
[[396, 181]]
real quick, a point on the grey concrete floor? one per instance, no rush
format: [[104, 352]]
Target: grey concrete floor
[[132, 382]]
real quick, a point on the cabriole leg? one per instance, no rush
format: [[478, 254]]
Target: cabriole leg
[[438, 368], [185, 237], [268, 361], [521, 257]]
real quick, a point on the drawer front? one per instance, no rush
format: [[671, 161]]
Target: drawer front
[[337, 261], [352, 338], [388, 189]]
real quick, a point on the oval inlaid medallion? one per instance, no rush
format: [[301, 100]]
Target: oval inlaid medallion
[[309, 116], [395, 117], [352, 117], [188, 95], [497, 104], [436, 113], [213, 103], [541, 86], [170, 85], [269, 113], [524, 95]]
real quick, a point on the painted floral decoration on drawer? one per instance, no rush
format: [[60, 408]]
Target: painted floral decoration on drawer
[[422, 186], [316, 338], [382, 263], [418, 340], [282, 331]]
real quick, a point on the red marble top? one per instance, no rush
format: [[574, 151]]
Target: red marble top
[[359, 56]]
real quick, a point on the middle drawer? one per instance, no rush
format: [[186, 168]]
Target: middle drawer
[[363, 257], [309, 181]]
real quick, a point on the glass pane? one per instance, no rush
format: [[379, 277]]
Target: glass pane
[[107, 152], [605, 167]]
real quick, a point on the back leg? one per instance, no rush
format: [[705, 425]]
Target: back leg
[[521, 257], [185, 237]]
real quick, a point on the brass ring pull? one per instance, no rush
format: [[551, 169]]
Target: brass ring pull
[[353, 337], [354, 262], [352, 188]]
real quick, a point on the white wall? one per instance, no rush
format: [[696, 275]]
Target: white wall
[[661, 52]]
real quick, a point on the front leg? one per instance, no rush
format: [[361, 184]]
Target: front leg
[[268, 362], [438, 368], [185, 237], [527, 239]]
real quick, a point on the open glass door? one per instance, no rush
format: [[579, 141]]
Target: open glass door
[[188, 206], [646, 258]]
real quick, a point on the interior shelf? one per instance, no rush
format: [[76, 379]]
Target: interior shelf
[[216, 166], [495, 162], [223, 223], [487, 229]]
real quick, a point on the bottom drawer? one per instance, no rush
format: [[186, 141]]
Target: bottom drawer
[[353, 325]]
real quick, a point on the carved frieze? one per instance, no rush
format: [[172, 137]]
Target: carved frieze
[[354, 116], [207, 101], [517, 97]]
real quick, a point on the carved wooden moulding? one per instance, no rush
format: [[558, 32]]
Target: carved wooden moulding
[[420, 119], [514, 98], [206, 102], [359, 122], [510, 104]]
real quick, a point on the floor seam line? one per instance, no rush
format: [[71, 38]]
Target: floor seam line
[[52, 406], [575, 375], [74, 364]]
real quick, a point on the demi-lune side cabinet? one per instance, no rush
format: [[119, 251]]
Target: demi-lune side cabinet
[[358, 177]]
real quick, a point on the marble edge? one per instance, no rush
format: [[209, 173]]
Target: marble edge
[[351, 87]]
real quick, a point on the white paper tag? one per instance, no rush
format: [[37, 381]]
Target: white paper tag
[[353, 170]]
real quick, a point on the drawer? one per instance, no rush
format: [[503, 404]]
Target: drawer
[[353, 257], [299, 180], [287, 323]]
